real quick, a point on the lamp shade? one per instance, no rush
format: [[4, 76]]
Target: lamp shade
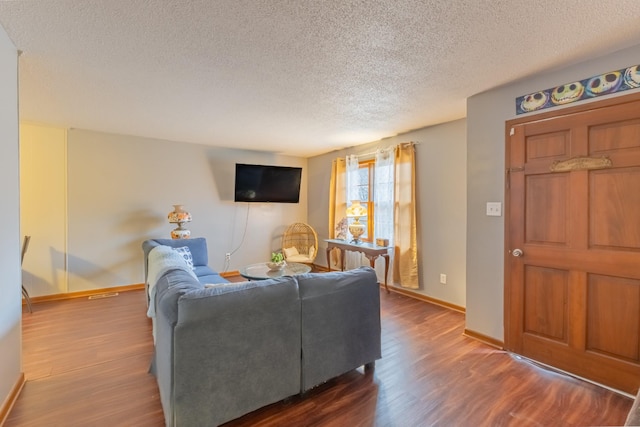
[[179, 215], [356, 210]]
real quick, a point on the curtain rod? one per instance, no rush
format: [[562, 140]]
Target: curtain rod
[[373, 152]]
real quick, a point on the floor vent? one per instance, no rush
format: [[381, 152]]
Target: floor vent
[[106, 295]]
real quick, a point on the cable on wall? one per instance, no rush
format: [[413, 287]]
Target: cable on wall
[[227, 260]]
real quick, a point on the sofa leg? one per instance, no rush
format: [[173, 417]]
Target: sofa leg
[[370, 367], [292, 399]]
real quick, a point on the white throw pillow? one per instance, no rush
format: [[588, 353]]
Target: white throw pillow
[[289, 252], [186, 254], [312, 251]]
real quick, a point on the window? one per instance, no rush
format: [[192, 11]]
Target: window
[[385, 187], [365, 191]]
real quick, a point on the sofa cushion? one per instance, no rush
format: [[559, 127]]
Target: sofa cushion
[[290, 252], [299, 258], [207, 275]]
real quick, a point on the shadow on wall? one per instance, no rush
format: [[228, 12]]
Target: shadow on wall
[[36, 285], [70, 273], [142, 224], [97, 277], [127, 267], [141, 221]]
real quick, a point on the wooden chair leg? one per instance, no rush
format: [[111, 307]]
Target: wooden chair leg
[[27, 298]]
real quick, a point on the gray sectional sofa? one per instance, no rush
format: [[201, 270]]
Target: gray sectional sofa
[[225, 349]]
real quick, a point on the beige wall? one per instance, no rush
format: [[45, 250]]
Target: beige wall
[[43, 201], [10, 300], [486, 117], [441, 158], [120, 189]]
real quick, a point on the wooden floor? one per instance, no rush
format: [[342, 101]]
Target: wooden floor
[[86, 362]]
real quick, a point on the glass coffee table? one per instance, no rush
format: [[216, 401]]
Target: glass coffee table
[[260, 271]]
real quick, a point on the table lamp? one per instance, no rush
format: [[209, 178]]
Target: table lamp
[[179, 216], [356, 228]]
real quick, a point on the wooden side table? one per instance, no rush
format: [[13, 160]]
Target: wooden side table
[[371, 251]]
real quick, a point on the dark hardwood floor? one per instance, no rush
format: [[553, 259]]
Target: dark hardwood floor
[[86, 362]]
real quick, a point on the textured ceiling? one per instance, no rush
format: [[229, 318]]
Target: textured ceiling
[[298, 77]]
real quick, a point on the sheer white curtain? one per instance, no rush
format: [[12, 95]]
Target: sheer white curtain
[[353, 259], [384, 204], [353, 178], [395, 211]]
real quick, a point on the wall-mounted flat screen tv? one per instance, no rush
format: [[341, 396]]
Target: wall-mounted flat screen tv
[[260, 183]]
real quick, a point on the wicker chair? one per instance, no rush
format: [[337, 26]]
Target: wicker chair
[[300, 243]]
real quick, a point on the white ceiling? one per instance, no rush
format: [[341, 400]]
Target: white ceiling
[[298, 77]]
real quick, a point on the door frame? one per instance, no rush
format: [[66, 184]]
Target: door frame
[[509, 343]]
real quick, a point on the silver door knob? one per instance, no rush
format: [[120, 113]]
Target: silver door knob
[[517, 252]]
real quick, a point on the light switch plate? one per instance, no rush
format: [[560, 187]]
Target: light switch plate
[[494, 208]]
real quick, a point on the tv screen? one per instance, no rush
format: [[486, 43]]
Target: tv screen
[[260, 183]]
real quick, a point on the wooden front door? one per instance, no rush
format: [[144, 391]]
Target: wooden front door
[[572, 269]]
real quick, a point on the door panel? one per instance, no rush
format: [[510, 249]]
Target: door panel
[[615, 219], [545, 302], [548, 146], [543, 225], [614, 136], [613, 305], [572, 300]]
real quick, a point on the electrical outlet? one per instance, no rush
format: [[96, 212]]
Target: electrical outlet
[[443, 279], [227, 256]]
